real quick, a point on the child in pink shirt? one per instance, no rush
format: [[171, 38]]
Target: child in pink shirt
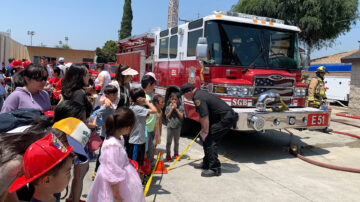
[[116, 179]]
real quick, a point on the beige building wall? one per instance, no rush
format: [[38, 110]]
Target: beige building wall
[[70, 55], [354, 100], [10, 48]]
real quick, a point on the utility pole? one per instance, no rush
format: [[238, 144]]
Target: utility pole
[[173, 13], [31, 33]]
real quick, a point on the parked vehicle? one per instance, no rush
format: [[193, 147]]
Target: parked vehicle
[[251, 62], [110, 67], [337, 82]]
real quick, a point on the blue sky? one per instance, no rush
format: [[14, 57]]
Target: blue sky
[[90, 23]]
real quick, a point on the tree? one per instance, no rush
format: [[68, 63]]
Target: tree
[[63, 46], [126, 21], [321, 21], [109, 49], [107, 53], [100, 57]]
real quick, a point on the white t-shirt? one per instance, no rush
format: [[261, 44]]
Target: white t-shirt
[[63, 69], [107, 80]]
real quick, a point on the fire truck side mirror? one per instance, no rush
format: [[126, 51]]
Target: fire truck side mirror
[[304, 60], [202, 49]]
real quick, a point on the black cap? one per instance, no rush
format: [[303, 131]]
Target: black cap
[[186, 88]]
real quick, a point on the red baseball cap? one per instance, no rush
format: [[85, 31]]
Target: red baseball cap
[[16, 63], [26, 63], [39, 158]]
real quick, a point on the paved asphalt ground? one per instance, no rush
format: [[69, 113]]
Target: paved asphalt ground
[[258, 167]]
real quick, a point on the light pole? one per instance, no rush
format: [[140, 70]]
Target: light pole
[[31, 33], [66, 39]]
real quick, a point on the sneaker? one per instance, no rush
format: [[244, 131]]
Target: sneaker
[[211, 173], [176, 156], [168, 158], [93, 176]]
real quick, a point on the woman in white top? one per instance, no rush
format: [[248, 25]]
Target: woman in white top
[[103, 78]]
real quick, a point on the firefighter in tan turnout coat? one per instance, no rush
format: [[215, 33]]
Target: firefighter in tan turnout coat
[[316, 91]]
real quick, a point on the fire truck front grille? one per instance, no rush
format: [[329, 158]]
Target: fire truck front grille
[[284, 87]]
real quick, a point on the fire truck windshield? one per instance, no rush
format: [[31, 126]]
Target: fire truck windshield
[[235, 44]]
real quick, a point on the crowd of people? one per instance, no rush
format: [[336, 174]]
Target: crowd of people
[[80, 111]]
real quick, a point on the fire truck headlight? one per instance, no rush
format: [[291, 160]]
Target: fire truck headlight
[[229, 91], [303, 92], [245, 91], [297, 92], [232, 91]]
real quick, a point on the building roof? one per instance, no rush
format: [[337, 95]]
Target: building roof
[[339, 67], [333, 58], [355, 57], [45, 47]]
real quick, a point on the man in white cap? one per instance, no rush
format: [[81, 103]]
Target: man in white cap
[[62, 66]]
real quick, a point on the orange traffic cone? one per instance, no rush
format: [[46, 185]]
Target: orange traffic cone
[[160, 167]]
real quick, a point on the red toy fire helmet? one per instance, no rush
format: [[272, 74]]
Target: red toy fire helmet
[[134, 164], [26, 63], [39, 158], [16, 63]]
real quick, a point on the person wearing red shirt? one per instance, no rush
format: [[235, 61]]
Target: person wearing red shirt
[[55, 83]]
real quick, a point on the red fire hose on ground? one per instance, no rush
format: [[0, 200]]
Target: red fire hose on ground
[[294, 150]]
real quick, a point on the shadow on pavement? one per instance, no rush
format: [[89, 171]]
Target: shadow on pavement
[[258, 148], [156, 187]]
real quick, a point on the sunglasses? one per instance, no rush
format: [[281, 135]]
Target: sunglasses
[[43, 78]]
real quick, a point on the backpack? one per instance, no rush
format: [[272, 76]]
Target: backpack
[[17, 118]]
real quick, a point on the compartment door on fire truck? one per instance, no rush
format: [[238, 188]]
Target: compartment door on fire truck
[[174, 59], [161, 66]]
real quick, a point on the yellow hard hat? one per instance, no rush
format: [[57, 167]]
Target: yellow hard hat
[[321, 69]]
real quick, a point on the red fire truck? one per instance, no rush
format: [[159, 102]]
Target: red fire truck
[[251, 62]]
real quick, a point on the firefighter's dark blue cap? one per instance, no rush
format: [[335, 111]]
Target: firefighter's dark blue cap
[[186, 88]]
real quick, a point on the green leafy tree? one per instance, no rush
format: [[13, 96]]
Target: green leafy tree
[[107, 53], [126, 21], [63, 46], [321, 21], [109, 49], [100, 57]]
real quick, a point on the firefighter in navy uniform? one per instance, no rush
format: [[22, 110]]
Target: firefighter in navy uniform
[[316, 91], [216, 119]]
